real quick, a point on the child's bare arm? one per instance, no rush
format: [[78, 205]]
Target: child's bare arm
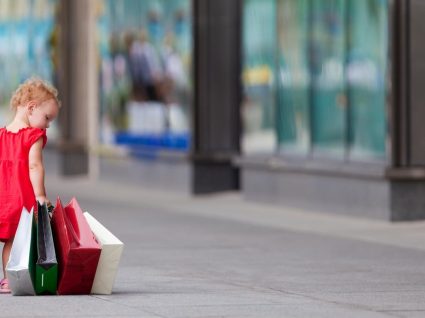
[[36, 170]]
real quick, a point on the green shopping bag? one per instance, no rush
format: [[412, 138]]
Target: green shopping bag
[[46, 268]]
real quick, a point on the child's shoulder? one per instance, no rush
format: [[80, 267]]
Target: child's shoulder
[[28, 135], [33, 134], [21, 131]]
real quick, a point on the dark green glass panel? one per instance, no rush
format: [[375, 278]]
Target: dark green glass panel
[[293, 76], [258, 50], [366, 75], [328, 49]]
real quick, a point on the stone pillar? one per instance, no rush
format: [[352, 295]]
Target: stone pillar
[[78, 69]]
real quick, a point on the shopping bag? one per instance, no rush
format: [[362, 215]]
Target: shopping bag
[[110, 257], [46, 269], [77, 248], [21, 265]]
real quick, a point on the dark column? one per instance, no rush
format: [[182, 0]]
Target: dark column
[[217, 87], [409, 82], [416, 56], [407, 172]]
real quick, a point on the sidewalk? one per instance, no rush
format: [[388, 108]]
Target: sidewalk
[[220, 256]]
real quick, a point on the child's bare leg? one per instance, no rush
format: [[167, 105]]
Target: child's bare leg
[[5, 256]]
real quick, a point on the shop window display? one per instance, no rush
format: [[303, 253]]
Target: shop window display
[[146, 60]]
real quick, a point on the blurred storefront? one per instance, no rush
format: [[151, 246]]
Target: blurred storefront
[[315, 78], [342, 77], [312, 104], [26, 28], [145, 90]]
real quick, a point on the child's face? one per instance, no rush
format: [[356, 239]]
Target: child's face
[[40, 116]]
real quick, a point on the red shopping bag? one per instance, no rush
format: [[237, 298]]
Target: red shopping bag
[[77, 249]]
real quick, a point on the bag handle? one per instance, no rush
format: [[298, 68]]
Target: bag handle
[[72, 235], [63, 223], [70, 215]]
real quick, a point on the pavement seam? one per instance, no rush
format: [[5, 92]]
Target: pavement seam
[[128, 306], [306, 296], [345, 305], [342, 304]]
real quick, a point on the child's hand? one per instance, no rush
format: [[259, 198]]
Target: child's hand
[[43, 199]]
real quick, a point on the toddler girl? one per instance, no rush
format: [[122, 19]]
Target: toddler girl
[[35, 105]]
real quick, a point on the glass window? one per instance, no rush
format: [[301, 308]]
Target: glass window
[[328, 102], [366, 74], [293, 78], [259, 37], [331, 76]]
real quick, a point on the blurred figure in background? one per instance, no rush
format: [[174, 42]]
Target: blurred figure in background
[[145, 68], [174, 86], [116, 81]]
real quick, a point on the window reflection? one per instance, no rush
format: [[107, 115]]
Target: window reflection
[[331, 76]]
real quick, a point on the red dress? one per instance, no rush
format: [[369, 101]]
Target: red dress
[[16, 189]]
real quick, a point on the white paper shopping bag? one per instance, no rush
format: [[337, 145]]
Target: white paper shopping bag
[[110, 257], [20, 267]]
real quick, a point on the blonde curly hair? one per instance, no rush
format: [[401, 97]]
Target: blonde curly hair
[[34, 89]]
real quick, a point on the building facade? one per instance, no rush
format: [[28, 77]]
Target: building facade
[[306, 104], [345, 88], [330, 104], [302, 103]]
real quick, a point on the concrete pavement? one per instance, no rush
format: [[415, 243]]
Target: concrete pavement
[[220, 256]]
